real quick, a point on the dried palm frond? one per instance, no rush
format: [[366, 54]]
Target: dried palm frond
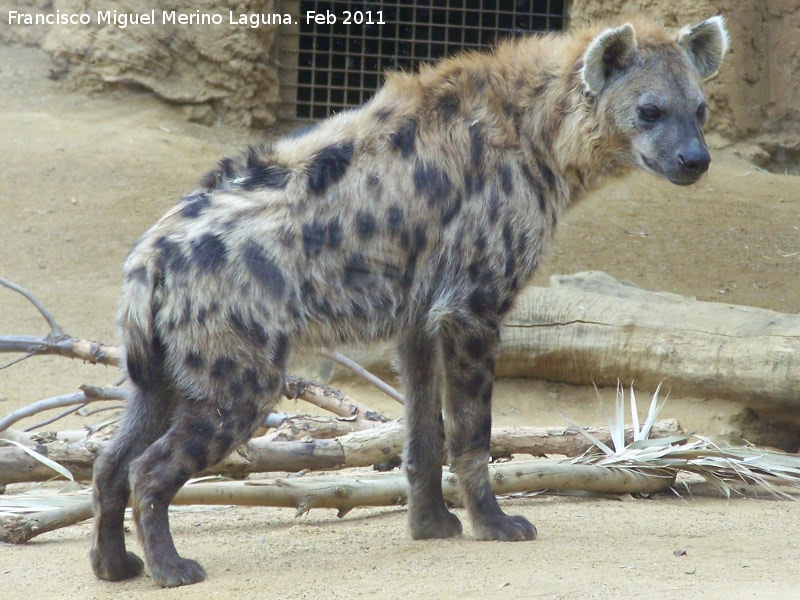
[[719, 460]]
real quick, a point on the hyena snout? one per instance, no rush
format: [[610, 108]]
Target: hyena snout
[[692, 161]]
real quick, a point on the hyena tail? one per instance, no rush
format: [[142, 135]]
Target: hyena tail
[[144, 350]]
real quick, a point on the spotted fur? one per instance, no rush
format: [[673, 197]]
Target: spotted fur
[[417, 216]]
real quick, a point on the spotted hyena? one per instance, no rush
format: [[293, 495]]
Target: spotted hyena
[[419, 215]]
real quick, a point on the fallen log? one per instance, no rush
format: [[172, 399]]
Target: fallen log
[[348, 492], [358, 449], [590, 328]]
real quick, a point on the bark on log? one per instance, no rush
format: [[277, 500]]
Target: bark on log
[[590, 328], [358, 449]]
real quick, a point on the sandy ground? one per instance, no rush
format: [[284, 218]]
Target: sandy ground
[[82, 177]]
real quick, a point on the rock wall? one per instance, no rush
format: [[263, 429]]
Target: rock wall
[[216, 70]]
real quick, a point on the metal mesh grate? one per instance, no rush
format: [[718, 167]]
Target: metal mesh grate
[[329, 67]]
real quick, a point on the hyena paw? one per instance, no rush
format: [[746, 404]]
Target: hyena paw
[[505, 528], [177, 572], [105, 568], [441, 524]]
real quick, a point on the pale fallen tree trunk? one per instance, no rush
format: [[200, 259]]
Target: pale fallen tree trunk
[[590, 328], [348, 492], [359, 449]]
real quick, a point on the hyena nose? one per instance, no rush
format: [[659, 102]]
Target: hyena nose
[[694, 161]]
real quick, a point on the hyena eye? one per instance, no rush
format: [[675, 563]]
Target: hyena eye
[[649, 113], [702, 112]]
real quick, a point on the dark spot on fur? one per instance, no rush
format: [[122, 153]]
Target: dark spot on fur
[[547, 173], [448, 106], [474, 270], [391, 271], [264, 269], [169, 257], [394, 219], [383, 113], [505, 305], [420, 238], [138, 275], [196, 443], [365, 225], [431, 181], [526, 172], [307, 291], [537, 188], [402, 140], [474, 183], [483, 300], [194, 360], [313, 238], [193, 206], [286, 236], [223, 367], [506, 179], [249, 329], [334, 236], [260, 175], [451, 211], [209, 252], [475, 347], [280, 351], [251, 381], [480, 242], [357, 273], [494, 205], [475, 146], [329, 166]]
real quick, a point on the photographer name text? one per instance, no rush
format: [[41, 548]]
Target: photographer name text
[[173, 17]]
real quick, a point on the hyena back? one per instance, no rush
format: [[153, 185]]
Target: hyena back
[[419, 215]]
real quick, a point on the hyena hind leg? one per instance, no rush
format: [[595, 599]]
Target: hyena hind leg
[[469, 357], [424, 446], [203, 432], [145, 419]]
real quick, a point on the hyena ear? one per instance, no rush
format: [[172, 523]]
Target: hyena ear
[[609, 52], [705, 44]]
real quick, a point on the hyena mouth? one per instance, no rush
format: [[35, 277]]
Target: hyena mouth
[[680, 179]]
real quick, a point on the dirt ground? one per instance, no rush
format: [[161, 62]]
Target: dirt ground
[[83, 177]]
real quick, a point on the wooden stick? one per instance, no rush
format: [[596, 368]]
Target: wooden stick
[[88, 393], [358, 449], [330, 399], [364, 374]]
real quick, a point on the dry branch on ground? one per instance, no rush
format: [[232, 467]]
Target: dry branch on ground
[[358, 449], [344, 493]]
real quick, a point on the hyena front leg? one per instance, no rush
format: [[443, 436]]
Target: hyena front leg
[[469, 355], [424, 446], [203, 431]]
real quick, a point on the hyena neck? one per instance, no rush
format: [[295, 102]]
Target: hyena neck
[[557, 125]]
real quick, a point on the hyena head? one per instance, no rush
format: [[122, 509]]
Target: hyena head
[[649, 88]]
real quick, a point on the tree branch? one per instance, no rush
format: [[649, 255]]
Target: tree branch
[[358, 449]]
